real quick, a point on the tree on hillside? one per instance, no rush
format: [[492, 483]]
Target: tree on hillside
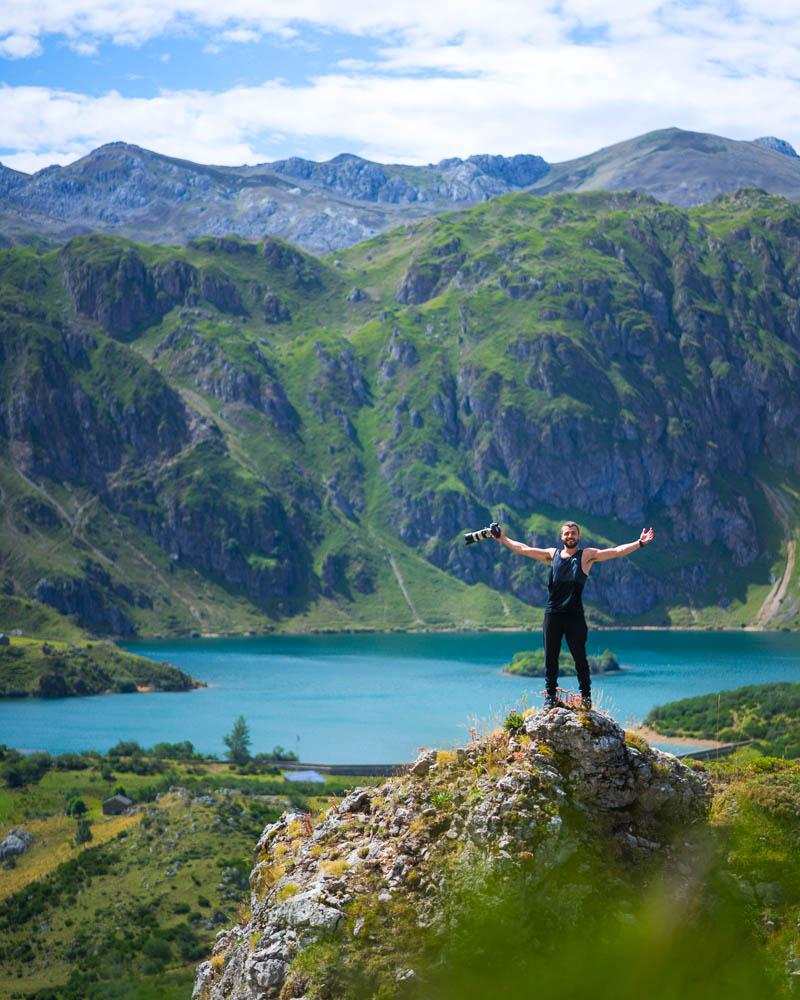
[[83, 832], [238, 742]]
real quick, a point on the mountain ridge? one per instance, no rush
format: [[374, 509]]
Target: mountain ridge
[[325, 206]]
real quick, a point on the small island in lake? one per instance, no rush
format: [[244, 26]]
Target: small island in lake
[[45, 655], [530, 663]]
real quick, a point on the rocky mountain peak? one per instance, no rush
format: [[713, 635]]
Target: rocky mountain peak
[[508, 798], [10, 179], [118, 147], [777, 145]]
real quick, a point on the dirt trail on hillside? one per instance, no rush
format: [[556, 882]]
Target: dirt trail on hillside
[[772, 604], [402, 585], [782, 508], [74, 522]]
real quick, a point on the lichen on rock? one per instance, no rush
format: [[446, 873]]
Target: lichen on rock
[[566, 784]]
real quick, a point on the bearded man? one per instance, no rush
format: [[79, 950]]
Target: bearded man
[[564, 617]]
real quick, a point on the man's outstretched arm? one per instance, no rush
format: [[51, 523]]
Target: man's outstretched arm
[[602, 555], [521, 549]]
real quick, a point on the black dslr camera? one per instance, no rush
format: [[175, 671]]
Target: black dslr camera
[[493, 531]]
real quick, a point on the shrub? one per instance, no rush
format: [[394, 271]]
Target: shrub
[[514, 721], [83, 832]]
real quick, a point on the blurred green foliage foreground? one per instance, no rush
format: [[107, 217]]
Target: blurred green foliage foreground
[[717, 918]]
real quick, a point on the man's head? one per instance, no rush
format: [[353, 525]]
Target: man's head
[[570, 534]]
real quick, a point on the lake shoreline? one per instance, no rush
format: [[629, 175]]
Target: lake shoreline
[[378, 698], [488, 630], [679, 742]]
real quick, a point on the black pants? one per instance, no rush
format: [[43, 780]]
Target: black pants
[[572, 626]]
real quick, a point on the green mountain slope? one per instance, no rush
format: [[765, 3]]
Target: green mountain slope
[[235, 436], [48, 656]]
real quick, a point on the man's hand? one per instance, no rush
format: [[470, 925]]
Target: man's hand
[[496, 530], [602, 555]]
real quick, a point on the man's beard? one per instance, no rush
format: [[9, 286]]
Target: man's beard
[[571, 545]]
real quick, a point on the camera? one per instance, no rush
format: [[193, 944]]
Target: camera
[[493, 531]]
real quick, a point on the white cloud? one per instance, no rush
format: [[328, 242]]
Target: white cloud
[[447, 78], [83, 47], [240, 35], [19, 46]]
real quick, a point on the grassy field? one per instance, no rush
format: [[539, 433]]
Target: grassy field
[[129, 914]]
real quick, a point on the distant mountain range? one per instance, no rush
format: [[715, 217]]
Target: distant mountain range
[[129, 191], [134, 192]]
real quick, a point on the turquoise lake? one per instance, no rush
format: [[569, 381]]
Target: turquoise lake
[[378, 698]]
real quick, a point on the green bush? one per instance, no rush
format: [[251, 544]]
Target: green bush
[[766, 713]]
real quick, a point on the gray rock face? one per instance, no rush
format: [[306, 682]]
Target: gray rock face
[[321, 206], [473, 179], [82, 597], [17, 842], [395, 842], [777, 145]]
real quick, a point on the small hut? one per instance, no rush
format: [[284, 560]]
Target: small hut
[[117, 805]]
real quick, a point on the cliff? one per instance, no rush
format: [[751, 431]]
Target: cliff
[[233, 436], [535, 806]]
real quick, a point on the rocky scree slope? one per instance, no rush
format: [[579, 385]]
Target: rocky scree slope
[[231, 434], [564, 786]]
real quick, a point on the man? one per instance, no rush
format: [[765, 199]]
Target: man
[[563, 614]]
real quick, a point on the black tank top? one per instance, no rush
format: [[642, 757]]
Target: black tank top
[[565, 584]]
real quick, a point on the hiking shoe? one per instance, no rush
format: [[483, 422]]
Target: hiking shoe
[[550, 701], [586, 703]]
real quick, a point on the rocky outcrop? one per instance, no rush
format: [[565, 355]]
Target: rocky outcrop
[[219, 370], [430, 272], [231, 527], [81, 430], [17, 842], [109, 282], [529, 799], [274, 308], [454, 179], [293, 265], [777, 145], [216, 287], [339, 387], [82, 597]]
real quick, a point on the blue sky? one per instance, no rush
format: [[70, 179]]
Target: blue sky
[[190, 60], [254, 80]]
